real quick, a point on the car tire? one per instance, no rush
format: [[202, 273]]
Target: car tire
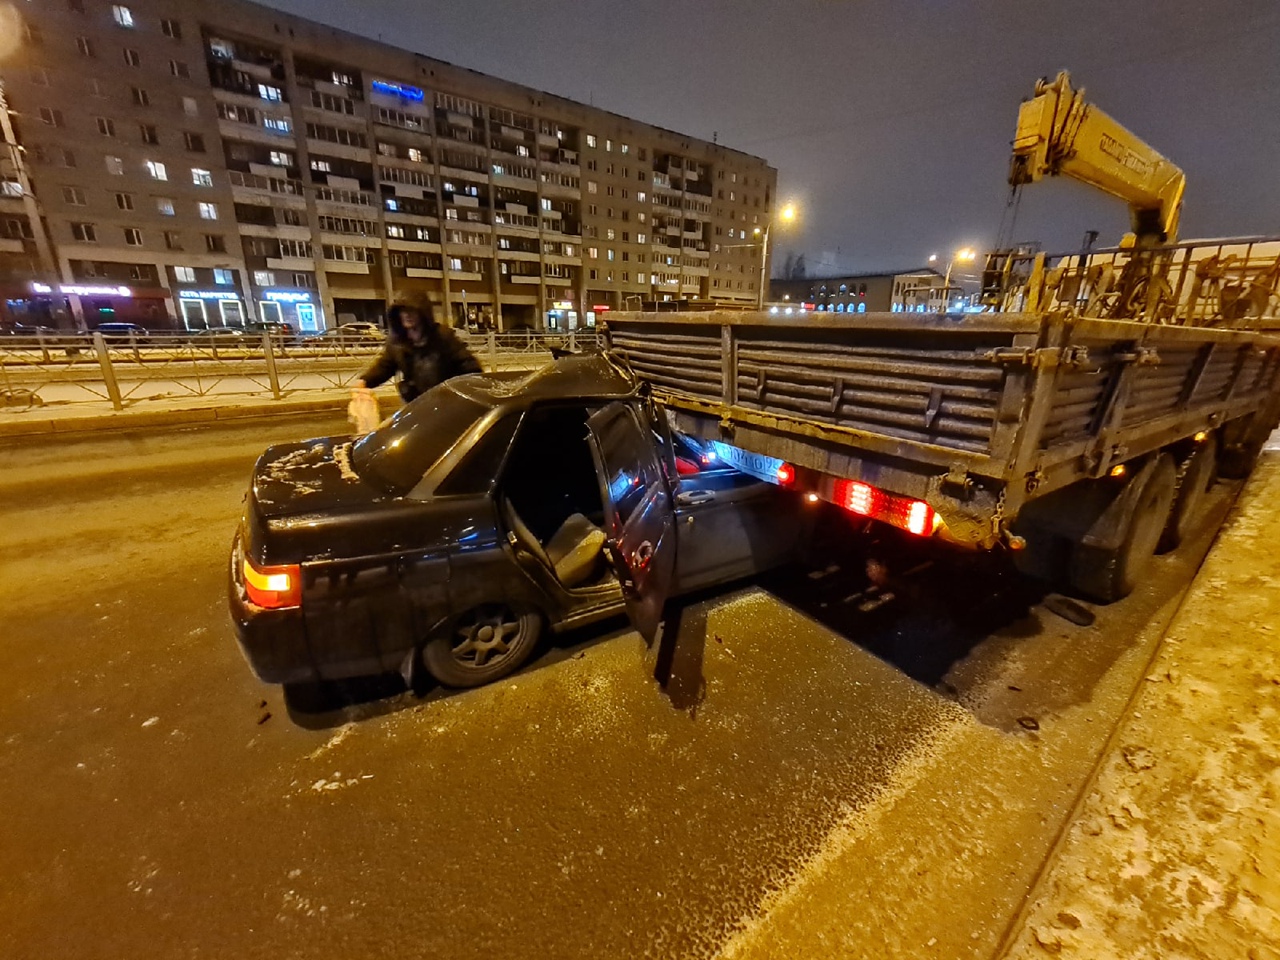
[[486, 643]]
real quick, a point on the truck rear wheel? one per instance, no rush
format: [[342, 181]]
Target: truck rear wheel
[[1195, 477], [1109, 574]]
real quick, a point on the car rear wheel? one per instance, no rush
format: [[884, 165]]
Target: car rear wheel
[[485, 644]]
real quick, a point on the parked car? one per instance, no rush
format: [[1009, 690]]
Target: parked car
[[280, 331], [356, 333], [223, 336], [116, 330], [476, 517], [26, 330]]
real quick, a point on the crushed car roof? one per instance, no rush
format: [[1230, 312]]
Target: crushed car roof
[[568, 378]]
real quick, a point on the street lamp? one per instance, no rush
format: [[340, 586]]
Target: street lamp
[[964, 255], [787, 214]]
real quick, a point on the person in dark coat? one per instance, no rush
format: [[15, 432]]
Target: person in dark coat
[[421, 351]]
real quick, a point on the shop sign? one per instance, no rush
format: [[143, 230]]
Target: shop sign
[[81, 290], [398, 90], [208, 295], [287, 296]]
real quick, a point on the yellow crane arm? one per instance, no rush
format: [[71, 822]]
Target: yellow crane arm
[[1059, 134]]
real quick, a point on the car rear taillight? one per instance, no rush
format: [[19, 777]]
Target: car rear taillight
[[914, 516], [786, 474], [274, 588]]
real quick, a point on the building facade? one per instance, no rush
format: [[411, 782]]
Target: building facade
[[864, 292], [192, 165]]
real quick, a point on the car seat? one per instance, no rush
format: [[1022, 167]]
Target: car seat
[[573, 552]]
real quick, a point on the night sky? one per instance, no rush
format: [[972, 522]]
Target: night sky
[[889, 122]]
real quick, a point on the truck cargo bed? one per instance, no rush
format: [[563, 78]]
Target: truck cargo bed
[[974, 413]]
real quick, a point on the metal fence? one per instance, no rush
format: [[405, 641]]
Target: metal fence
[[1220, 283], [48, 368]]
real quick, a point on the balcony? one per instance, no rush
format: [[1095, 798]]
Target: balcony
[[350, 198], [342, 266], [523, 278], [11, 246], [302, 264], [424, 273]]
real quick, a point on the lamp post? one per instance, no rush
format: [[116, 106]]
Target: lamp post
[[786, 214], [964, 255]]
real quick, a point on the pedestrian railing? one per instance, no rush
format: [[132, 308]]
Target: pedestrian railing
[[57, 368]]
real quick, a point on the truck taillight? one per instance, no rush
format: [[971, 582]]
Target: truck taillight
[[919, 518], [914, 516], [786, 474], [274, 588]]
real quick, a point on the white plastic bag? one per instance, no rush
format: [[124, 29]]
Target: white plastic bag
[[362, 411]]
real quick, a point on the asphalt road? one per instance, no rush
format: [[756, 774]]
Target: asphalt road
[[837, 771]]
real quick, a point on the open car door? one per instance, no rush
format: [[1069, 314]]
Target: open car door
[[639, 517]]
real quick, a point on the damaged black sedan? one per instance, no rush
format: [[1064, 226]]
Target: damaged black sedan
[[477, 517]]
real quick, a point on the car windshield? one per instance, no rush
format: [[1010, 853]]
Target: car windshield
[[405, 447]]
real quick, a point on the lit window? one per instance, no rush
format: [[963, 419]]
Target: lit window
[[264, 278], [639, 278], [276, 124], [320, 166], [185, 274], [608, 145], [610, 253], [282, 158], [208, 211], [268, 92], [593, 252], [156, 169], [190, 107], [223, 277], [415, 155], [122, 16], [641, 238], [592, 187], [133, 236], [591, 139], [165, 206], [201, 178], [115, 166], [625, 148], [395, 230], [393, 204]]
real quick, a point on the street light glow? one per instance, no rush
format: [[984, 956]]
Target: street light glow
[[788, 212], [968, 253]]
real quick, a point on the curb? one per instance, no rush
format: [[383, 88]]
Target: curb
[[145, 419]]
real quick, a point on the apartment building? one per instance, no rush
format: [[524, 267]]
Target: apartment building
[[193, 165]]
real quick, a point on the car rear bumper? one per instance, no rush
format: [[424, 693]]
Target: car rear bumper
[[273, 642], [277, 648]]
